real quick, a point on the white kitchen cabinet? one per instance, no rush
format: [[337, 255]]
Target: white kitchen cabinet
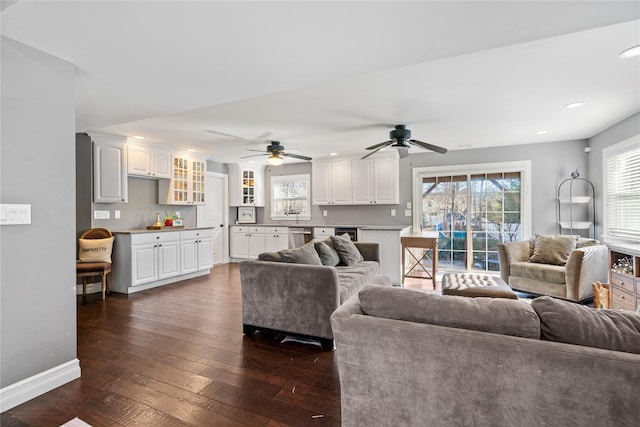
[[196, 250], [246, 185], [362, 181], [109, 169], [247, 241], [322, 233], [150, 259], [331, 183], [187, 183], [357, 181], [276, 238], [148, 161], [154, 256]]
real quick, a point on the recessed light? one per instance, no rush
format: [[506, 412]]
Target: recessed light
[[542, 132], [631, 52], [191, 150], [333, 154], [464, 145], [138, 137], [574, 104]]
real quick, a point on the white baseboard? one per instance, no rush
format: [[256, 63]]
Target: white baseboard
[[25, 390]]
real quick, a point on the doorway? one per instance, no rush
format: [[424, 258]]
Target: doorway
[[215, 214]]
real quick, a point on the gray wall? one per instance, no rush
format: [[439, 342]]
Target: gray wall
[[37, 261], [616, 133], [550, 162]]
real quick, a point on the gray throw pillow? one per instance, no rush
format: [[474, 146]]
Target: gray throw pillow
[[305, 254], [571, 323], [270, 256], [553, 249], [328, 255], [347, 251], [494, 315]]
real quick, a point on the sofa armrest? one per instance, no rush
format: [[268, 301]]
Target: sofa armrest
[[511, 252], [370, 251], [584, 267], [296, 298]]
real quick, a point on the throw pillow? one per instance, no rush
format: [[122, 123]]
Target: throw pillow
[[328, 255], [567, 322], [95, 250], [494, 315], [347, 251], [305, 254], [553, 249], [270, 256]]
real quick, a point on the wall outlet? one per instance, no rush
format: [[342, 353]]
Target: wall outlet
[[101, 214], [407, 212], [324, 213], [116, 214], [393, 212]]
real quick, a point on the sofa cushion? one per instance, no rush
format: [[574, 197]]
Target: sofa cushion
[[327, 254], [494, 315], [567, 322], [305, 254], [553, 249], [352, 279], [347, 251], [540, 272], [270, 256], [584, 242]]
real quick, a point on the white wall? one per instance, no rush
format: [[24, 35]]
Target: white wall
[[37, 167]]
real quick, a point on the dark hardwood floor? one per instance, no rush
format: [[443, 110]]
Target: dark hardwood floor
[[175, 355]]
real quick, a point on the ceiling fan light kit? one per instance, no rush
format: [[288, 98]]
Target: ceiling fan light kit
[[276, 152], [275, 160]]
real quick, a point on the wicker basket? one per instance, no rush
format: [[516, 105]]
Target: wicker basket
[[601, 295]]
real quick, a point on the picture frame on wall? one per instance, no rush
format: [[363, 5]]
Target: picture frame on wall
[[246, 215]]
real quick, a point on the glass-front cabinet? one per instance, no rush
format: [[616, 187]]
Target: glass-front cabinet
[[187, 183]]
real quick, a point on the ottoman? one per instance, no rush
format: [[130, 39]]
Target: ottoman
[[476, 285]]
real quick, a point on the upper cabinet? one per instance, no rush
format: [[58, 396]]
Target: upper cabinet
[[186, 186], [148, 161], [246, 185], [356, 182], [109, 169]]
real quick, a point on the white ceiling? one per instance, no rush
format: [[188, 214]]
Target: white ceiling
[[327, 77]]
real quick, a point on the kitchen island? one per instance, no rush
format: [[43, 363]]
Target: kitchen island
[[145, 259]]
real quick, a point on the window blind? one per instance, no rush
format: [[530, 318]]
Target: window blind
[[623, 194]]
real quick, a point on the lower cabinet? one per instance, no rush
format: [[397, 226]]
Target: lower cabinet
[[250, 241], [624, 276], [147, 260], [276, 238]]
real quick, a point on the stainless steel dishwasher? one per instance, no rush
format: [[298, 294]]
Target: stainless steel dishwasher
[[298, 236]]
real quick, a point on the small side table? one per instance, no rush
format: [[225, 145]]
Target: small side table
[[428, 242]]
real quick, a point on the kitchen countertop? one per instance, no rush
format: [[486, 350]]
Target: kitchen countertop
[[360, 227], [144, 230]]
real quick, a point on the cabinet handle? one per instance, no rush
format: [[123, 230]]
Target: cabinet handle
[[621, 296], [160, 246]]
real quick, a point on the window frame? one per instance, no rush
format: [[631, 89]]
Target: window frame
[[275, 180], [627, 146]]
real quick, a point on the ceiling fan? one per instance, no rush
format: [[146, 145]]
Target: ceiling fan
[[276, 152], [400, 139]]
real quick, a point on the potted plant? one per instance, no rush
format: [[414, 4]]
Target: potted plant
[[168, 217]]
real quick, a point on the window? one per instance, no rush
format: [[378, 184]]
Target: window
[[290, 197], [473, 208], [622, 191]]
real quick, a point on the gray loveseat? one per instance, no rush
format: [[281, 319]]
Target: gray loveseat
[[407, 358], [299, 298]]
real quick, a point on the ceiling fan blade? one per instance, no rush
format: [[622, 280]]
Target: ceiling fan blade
[[427, 146], [296, 156], [254, 155], [259, 151], [224, 134], [382, 144], [403, 152], [374, 151]]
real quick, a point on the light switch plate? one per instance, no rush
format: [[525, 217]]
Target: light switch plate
[[408, 205], [101, 214], [116, 214], [15, 214], [393, 212], [407, 212], [324, 213]]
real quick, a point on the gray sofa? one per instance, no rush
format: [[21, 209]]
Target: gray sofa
[[299, 298], [406, 358]]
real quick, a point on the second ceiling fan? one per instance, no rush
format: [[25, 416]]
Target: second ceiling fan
[[400, 139], [276, 153]]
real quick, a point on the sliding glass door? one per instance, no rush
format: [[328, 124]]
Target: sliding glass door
[[472, 213]]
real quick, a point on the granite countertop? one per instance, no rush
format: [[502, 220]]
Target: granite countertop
[[144, 230]]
